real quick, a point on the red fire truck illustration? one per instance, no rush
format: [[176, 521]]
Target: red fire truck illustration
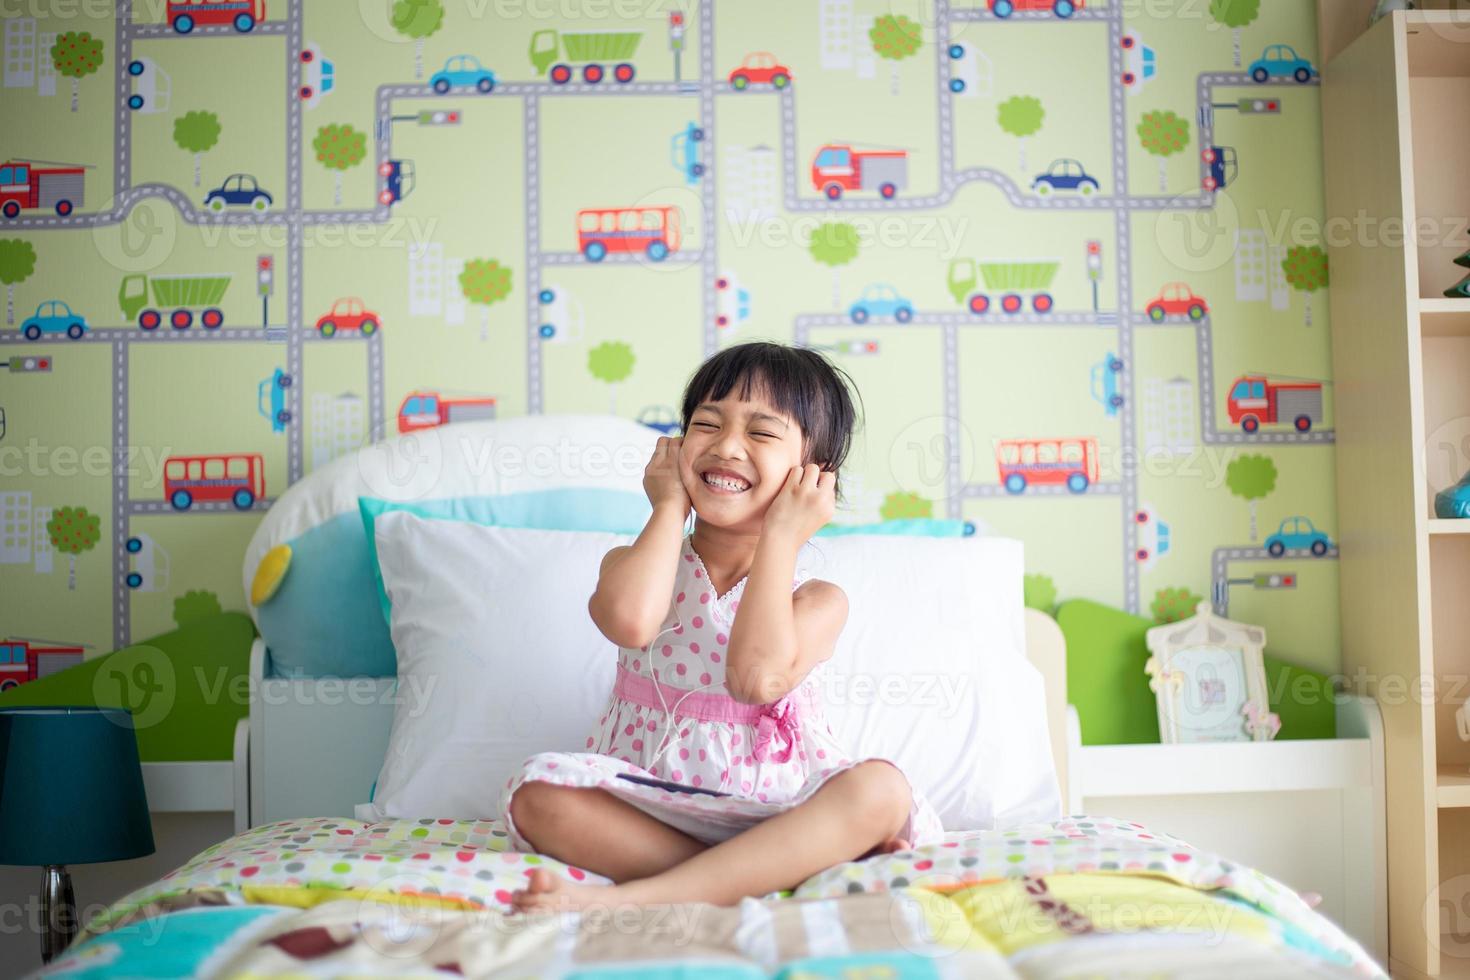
[[26, 185], [838, 168], [24, 659], [1047, 462], [426, 409], [655, 231], [236, 477], [1256, 400]]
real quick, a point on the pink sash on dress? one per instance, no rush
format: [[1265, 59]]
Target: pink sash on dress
[[776, 719]]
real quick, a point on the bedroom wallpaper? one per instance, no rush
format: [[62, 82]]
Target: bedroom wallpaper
[[1071, 252]]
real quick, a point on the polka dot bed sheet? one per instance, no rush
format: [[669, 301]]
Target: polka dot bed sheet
[[1018, 902]]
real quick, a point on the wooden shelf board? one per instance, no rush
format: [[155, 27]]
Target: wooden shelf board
[[1447, 525], [1289, 765], [1452, 786], [1443, 305]]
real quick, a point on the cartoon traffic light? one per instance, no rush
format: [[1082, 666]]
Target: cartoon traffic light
[[30, 364], [1268, 107], [439, 117], [1275, 580]]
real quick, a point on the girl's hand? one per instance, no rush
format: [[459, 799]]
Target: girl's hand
[[663, 478], [804, 503]]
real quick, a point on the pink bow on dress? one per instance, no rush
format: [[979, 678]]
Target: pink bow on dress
[[776, 718]]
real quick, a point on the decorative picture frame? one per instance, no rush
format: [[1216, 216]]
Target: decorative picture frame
[[1209, 677]]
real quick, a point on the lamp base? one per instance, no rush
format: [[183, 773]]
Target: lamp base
[[58, 912]]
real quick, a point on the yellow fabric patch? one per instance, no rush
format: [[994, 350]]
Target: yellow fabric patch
[[305, 898], [1019, 913], [269, 573]]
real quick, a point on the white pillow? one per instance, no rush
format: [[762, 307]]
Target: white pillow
[[493, 624], [931, 672]]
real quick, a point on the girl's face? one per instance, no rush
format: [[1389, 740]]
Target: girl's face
[[738, 455]]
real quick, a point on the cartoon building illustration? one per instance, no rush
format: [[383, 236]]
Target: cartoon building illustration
[[1250, 265], [20, 52], [426, 279], [15, 527], [43, 552], [338, 426], [750, 177], [1168, 415], [835, 28]]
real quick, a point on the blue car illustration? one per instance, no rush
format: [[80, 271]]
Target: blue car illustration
[[270, 400], [881, 299], [1282, 61], [54, 316], [1064, 175], [684, 153], [1297, 532], [463, 70], [238, 189]]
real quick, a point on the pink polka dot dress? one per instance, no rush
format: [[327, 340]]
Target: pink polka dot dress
[[670, 718]]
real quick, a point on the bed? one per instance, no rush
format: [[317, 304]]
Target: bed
[[305, 888]]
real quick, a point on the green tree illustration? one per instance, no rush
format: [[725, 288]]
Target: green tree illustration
[[17, 262], [1235, 14], [834, 244], [1163, 134], [1172, 605], [194, 605], [1040, 592], [894, 37], [73, 530], [1251, 477], [417, 19], [1306, 270], [1021, 116], [339, 146], [485, 282], [611, 361], [197, 132], [900, 505], [76, 53]]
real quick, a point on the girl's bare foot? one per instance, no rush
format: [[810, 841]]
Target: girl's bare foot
[[545, 892], [890, 846]]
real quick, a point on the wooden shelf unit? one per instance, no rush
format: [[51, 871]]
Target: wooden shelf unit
[[1395, 155]]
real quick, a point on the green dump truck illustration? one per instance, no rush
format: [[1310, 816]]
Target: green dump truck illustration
[[1013, 281], [185, 294], [595, 52]]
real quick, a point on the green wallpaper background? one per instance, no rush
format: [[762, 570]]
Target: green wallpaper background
[[504, 183]]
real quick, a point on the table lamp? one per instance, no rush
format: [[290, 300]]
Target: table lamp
[[71, 792]]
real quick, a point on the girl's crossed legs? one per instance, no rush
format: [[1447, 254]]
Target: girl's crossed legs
[[856, 812]]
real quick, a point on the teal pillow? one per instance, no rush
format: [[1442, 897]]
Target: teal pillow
[[563, 509], [921, 527]]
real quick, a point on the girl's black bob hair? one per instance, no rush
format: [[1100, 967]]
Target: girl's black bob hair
[[797, 381]]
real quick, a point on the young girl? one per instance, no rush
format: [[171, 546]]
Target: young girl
[[721, 642]]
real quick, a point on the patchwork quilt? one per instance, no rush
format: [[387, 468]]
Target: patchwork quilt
[[1083, 897]]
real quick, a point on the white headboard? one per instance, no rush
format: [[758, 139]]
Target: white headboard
[[347, 721]]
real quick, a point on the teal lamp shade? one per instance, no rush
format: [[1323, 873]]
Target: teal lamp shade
[[71, 788]]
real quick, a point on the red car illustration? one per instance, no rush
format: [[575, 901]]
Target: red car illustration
[[1176, 299], [348, 313], [760, 67], [1062, 8]]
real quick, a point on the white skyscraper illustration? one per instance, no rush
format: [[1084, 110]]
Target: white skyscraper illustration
[[45, 70], [15, 527], [1276, 273], [454, 301], [20, 52], [834, 29], [426, 279], [1250, 265], [337, 426], [44, 553], [750, 182], [1168, 415]]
